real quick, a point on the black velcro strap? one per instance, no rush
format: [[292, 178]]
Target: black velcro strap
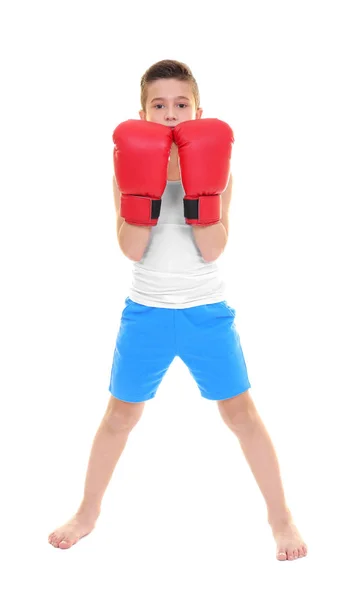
[[156, 206], [191, 209]]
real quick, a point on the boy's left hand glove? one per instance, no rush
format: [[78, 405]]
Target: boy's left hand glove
[[204, 148]]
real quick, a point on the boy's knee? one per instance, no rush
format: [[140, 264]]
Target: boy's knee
[[121, 415]]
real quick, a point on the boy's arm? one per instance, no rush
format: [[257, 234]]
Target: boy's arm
[[225, 205], [132, 239], [212, 239], [117, 203]]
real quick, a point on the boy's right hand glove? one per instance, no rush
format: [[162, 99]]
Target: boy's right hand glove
[[141, 154]]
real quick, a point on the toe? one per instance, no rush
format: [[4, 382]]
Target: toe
[[67, 543], [52, 539], [281, 555]]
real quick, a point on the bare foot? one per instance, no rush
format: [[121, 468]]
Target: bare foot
[[71, 532], [290, 544]]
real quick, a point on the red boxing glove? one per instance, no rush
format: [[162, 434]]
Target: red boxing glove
[[204, 148], [141, 154]]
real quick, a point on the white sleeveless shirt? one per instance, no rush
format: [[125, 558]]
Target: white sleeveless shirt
[[172, 272]]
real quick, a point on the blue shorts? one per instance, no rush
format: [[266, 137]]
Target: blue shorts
[[204, 337]]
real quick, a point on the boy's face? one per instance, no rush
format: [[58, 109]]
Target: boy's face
[[170, 102]]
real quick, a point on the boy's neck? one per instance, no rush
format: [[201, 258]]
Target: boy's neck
[[173, 167]]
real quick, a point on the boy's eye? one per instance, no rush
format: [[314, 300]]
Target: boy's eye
[[181, 105]]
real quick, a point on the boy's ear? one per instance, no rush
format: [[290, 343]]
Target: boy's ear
[[142, 115], [199, 113]]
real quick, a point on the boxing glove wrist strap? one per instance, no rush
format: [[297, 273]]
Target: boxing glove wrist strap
[[140, 210], [205, 210]]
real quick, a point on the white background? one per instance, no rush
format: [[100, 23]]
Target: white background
[[183, 516]]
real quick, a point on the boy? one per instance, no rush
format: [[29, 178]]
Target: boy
[[176, 286]]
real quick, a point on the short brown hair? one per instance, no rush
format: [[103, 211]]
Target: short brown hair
[[168, 69]]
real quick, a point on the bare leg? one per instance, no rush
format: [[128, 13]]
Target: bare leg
[[241, 416], [107, 447]]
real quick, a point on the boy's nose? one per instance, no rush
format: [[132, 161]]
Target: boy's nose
[[170, 118]]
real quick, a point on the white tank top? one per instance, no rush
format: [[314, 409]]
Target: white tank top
[[172, 272]]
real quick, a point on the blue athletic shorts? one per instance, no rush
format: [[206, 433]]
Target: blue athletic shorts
[[204, 337]]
